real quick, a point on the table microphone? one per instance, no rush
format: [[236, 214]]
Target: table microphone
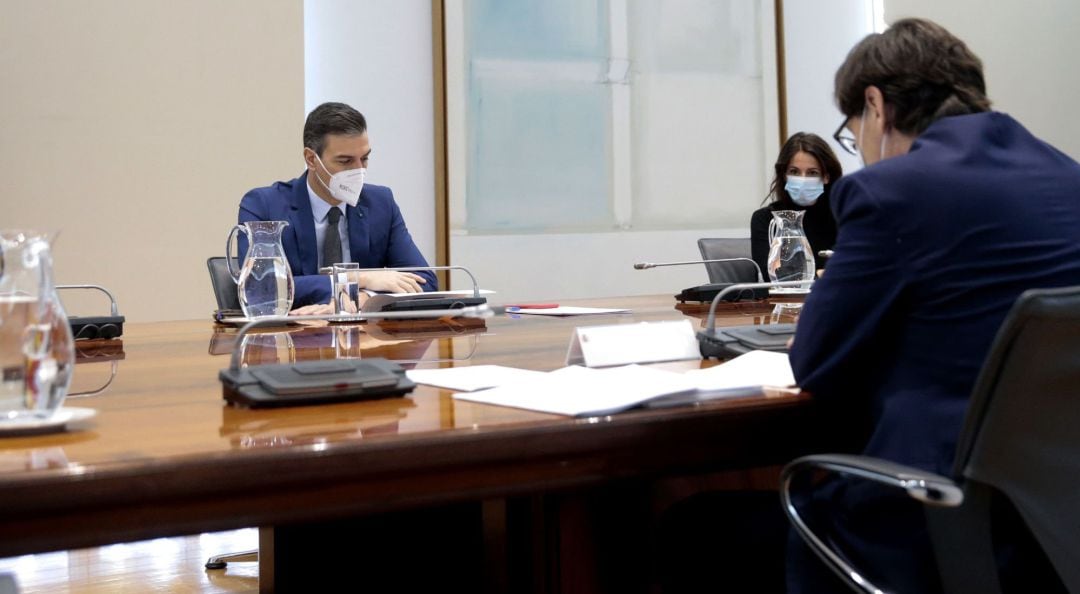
[[421, 303], [96, 327], [707, 292], [733, 341], [648, 265]]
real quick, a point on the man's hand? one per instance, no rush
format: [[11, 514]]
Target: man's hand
[[390, 281], [319, 309]]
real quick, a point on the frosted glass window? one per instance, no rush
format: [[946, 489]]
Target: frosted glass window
[[531, 30], [538, 124], [613, 115], [697, 105]]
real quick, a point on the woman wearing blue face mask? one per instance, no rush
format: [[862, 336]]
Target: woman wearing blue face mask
[[805, 170]]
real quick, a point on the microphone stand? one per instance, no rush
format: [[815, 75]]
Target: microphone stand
[[702, 292], [648, 265], [709, 342]]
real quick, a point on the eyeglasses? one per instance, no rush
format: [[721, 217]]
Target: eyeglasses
[[847, 142]]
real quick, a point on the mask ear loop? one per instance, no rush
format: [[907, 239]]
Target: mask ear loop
[[321, 164], [862, 126]]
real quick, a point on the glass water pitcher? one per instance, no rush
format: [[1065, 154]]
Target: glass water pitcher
[[264, 281], [37, 349], [790, 255]]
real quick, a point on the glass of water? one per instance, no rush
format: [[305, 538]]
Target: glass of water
[[344, 288]]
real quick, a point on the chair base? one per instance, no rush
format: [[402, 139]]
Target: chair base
[[221, 561]]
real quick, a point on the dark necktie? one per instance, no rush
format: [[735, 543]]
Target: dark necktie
[[331, 251]]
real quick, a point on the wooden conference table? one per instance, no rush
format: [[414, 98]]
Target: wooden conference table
[[166, 456]]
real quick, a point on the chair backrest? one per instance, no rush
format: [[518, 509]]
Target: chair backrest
[[716, 248], [223, 283], [1022, 432]]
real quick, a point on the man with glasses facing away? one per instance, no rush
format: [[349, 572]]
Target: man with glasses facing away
[[335, 217], [958, 210]]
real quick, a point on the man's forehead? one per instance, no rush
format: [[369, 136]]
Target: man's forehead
[[356, 145]]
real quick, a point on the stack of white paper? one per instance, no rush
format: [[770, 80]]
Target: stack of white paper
[[755, 369], [470, 379], [582, 391], [566, 310], [745, 375]]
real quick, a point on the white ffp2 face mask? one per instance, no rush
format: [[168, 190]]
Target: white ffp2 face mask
[[344, 185]]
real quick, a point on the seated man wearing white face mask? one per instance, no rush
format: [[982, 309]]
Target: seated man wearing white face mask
[[334, 216], [805, 170]]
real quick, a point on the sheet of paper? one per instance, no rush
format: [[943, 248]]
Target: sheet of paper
[[472, 378], [582, 391], [751, 370], [568, 310]]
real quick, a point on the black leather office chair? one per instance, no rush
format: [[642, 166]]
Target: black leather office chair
[[716, 248], [1020, 445], [223, 283]]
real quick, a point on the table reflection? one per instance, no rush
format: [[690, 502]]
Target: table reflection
[[94, 380], [736, 313], [404, 342], [91, 351], [35, 459], [268, 428]]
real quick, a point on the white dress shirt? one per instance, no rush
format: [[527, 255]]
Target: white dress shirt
[[320, 209]]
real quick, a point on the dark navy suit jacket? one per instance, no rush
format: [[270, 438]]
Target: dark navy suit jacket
[[378, 237], [933, 248]]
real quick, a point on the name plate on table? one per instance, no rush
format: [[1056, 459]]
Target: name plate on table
[[622, 344]]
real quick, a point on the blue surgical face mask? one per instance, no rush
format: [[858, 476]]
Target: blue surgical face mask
[[804, 191]]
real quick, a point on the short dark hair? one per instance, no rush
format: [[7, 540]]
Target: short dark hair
[[331, 118], [924, 73], [813, 145]]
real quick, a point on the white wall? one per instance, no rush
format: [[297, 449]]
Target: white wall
[[376, 56], [818, 36], [134, 127], [1030, 53]]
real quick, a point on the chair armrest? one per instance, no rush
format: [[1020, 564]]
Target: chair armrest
[[927, 487]]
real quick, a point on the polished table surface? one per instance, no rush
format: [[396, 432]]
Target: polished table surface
[[165, 455]]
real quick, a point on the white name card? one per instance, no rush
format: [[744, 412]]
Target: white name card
[[621, 344]]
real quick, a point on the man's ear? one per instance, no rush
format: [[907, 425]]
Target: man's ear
[[875, 99]]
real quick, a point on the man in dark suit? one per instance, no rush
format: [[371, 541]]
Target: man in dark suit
[[334, 216], [958, 211]]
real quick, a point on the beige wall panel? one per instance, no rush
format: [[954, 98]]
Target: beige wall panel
[[133, 127]]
